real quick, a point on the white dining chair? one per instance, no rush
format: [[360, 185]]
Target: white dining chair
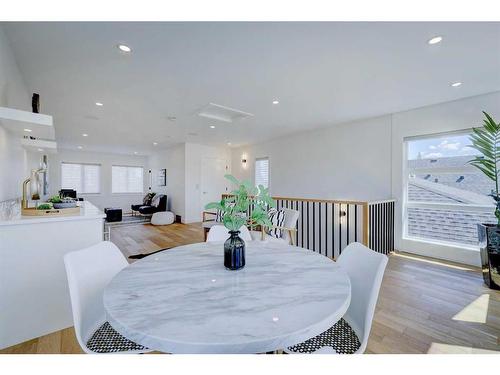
[[219, 233], [284, 233], [349, 335], [89, 271]]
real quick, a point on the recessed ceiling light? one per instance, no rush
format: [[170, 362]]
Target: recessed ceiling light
[[124, 48], [456, 84], [80, 147], [155, 143], [171, 118], [435, 40], [276, 101], [40, 149], [99, 104], [85, 135], [212, 126], [229, 143], [28, 130], [135, 152]]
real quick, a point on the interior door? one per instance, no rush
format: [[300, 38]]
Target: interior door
[[213, 183]]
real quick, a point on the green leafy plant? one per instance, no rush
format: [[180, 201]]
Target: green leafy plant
[[234, 208], [45, 206], [55, 199], [486, 140]]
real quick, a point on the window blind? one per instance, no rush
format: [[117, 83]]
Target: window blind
[[127, 179], [84, 178], [262, 172]]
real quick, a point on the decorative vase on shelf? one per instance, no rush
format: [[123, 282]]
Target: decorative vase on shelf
[[234, 252]]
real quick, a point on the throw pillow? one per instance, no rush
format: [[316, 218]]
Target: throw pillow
[[156, 200], [148, 198], [277, 218], [220, 215]]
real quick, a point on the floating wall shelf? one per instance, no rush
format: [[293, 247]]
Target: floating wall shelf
[[39, 145], [16, 121]]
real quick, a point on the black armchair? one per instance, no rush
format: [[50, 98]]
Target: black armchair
[[146, 201], [150, 209]]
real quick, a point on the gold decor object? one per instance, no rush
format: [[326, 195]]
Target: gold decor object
[[53, 212]]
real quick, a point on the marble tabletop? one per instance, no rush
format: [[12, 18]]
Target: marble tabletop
[[183, 300]]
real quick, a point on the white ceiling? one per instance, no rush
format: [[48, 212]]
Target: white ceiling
[[322, 74]]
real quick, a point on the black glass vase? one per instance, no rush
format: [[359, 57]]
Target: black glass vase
[[234, 252]]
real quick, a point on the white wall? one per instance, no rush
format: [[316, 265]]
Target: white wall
[[347, 161], [173, 159], [105, 198], [13, 94]]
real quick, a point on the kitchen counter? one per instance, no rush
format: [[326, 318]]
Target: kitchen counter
[[34, 296], [10, 214]]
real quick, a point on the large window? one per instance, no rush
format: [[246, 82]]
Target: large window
[[262, 172], [445, 196], [84, 178], [127, 179]]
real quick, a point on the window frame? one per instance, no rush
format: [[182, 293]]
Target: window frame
[[127, 192], [473, 208], [82, 174], [268, 170]]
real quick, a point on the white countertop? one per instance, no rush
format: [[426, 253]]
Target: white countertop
[[183, 300], [10, 214]]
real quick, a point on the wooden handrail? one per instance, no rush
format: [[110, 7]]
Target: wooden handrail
[[334, 201]]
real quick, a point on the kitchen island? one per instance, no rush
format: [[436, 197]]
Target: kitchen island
[[34, 296]]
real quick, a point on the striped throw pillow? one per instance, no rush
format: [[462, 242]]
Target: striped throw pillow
[[220, 215], [277, 218]]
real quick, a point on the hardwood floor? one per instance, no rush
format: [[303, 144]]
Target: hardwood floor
[[425, 305], [143, 239], [430, 306]]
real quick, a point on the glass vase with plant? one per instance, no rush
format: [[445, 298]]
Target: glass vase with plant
[[247, 205]]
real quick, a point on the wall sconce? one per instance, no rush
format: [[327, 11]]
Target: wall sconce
[[244, 161], [342, 215], [244, 158]]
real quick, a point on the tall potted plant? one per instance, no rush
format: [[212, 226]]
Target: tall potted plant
[[486, 140], [234, 210]]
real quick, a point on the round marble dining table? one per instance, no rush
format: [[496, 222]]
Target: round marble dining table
[[183, 300]]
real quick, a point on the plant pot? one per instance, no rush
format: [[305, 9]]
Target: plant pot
[[234, 252], [489, 245], [64, 205]]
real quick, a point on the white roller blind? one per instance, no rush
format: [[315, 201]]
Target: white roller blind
[[262, 172], [84, 178], [127, 179]]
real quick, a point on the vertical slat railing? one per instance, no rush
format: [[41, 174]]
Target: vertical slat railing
[[328, 226], [381, 226]]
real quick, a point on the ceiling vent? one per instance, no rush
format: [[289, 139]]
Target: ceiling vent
[[221, 113]]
